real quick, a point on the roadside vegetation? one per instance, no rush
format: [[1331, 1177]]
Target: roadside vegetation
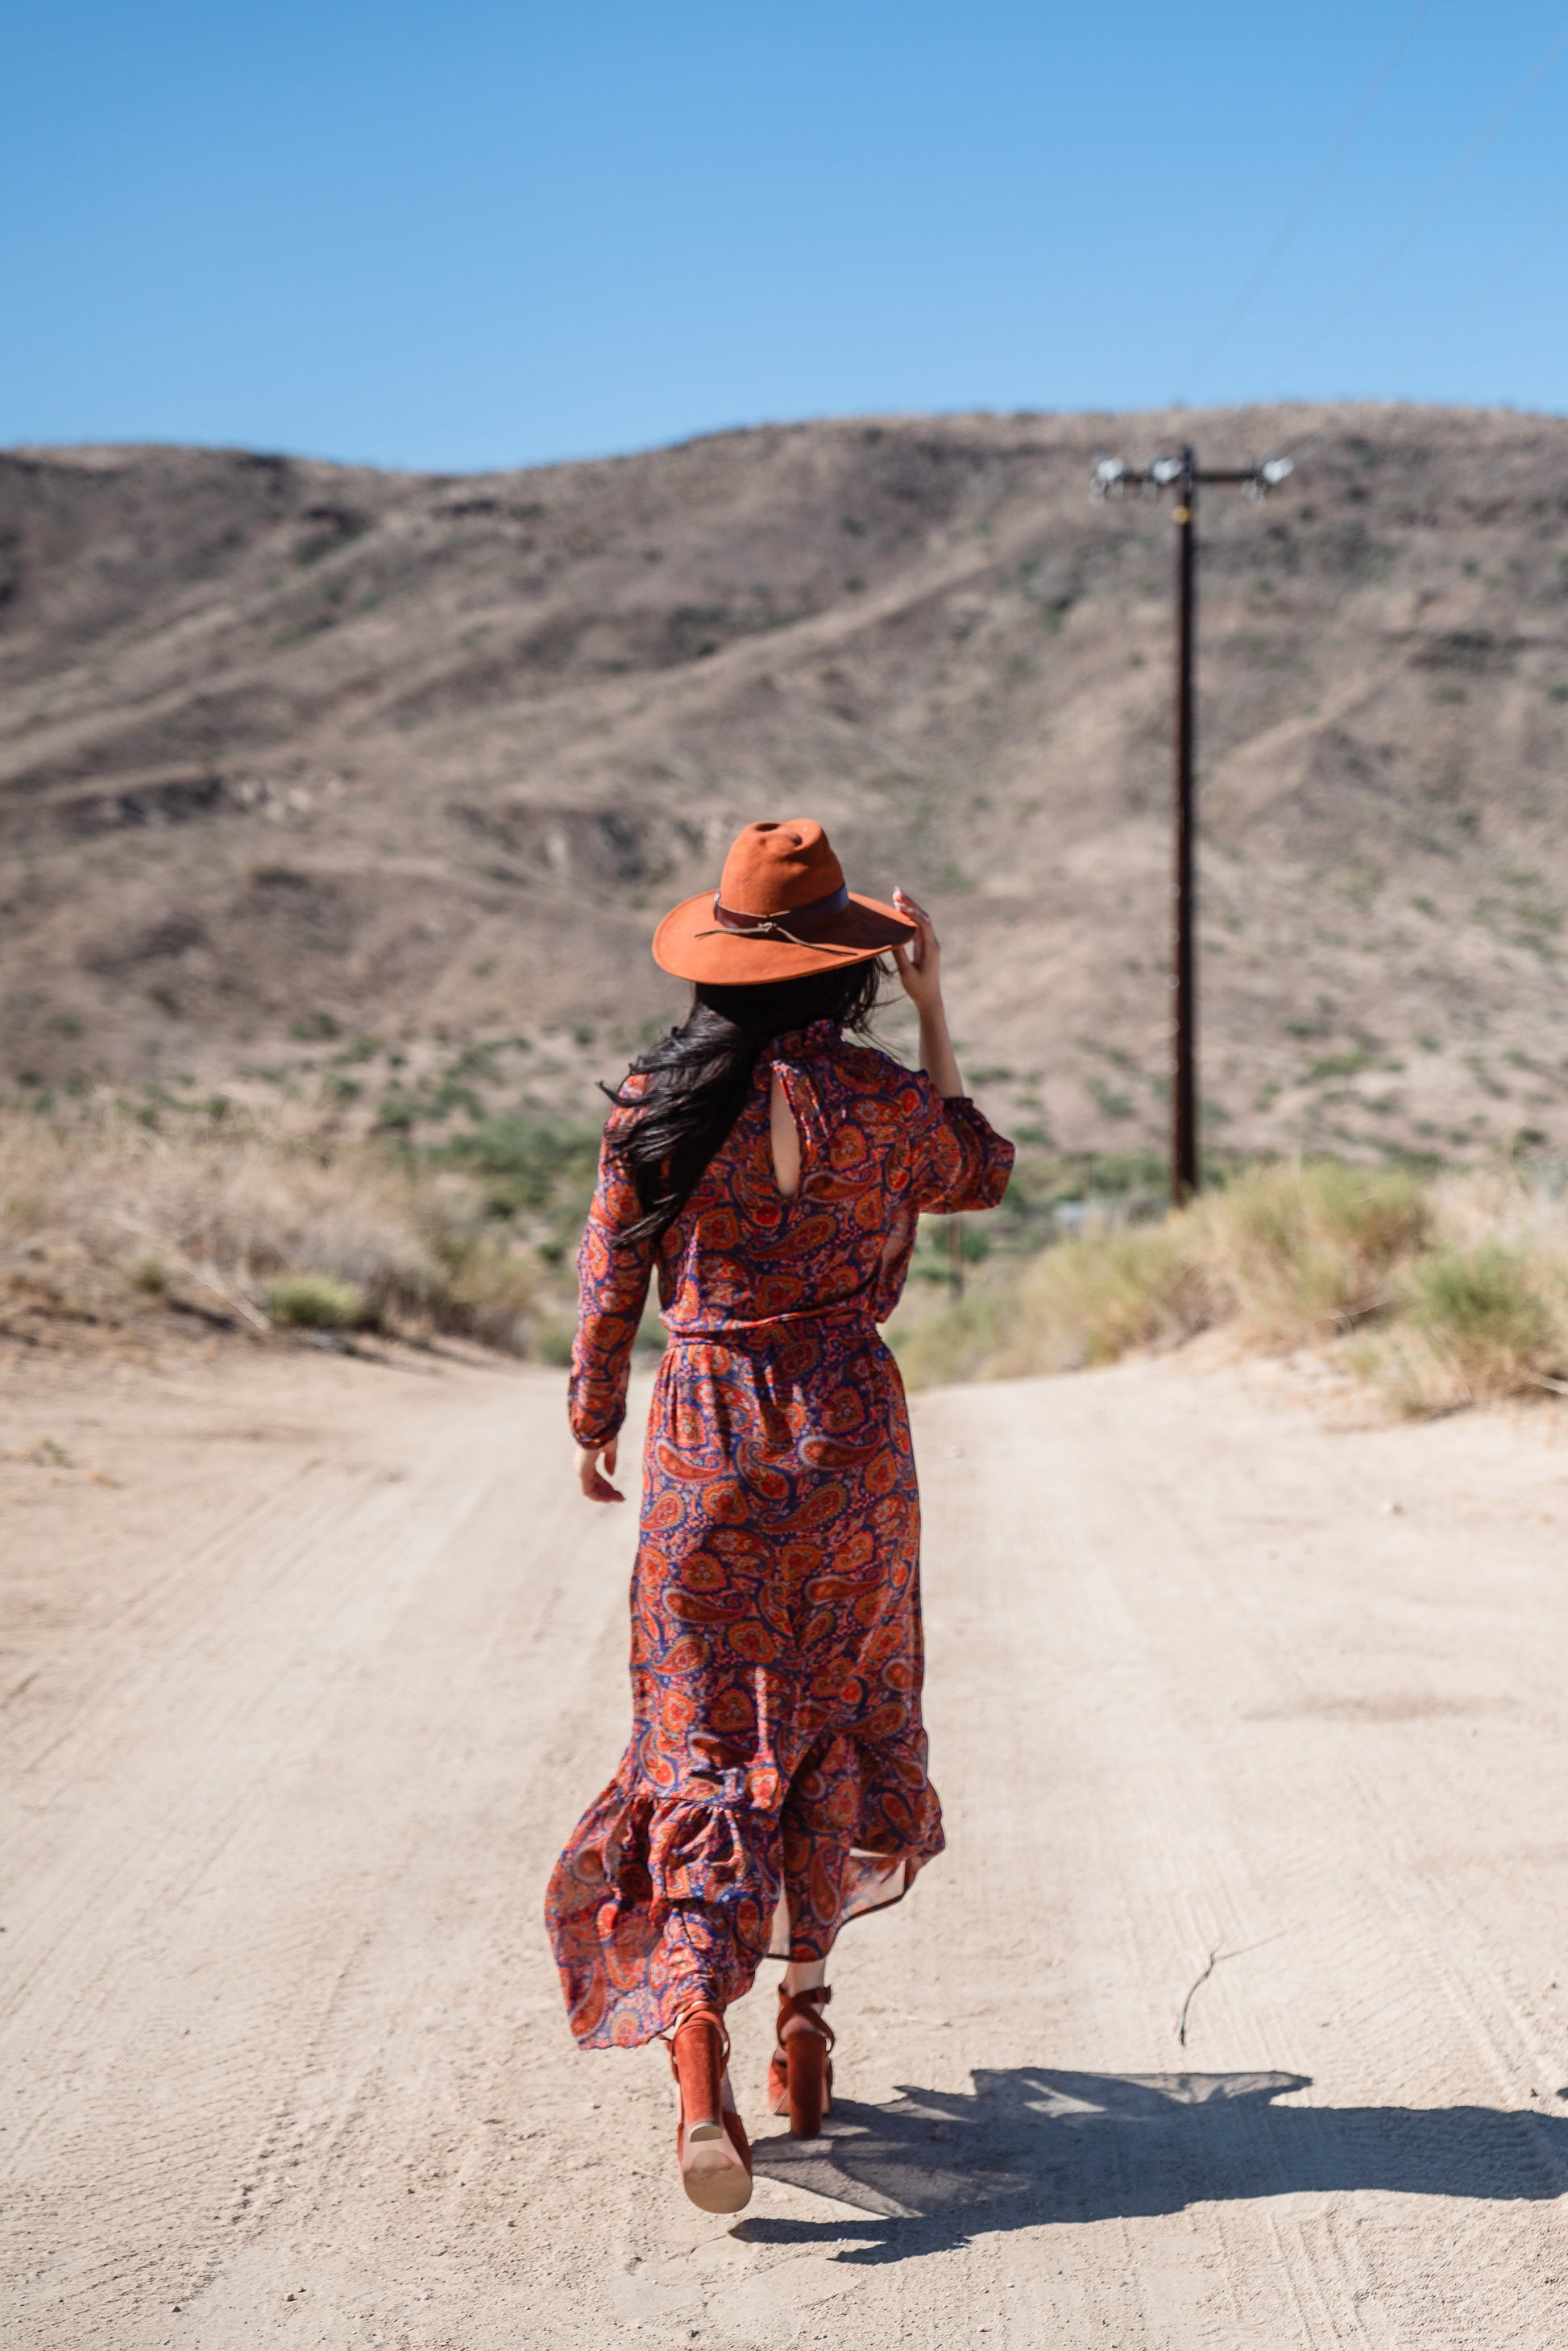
[[1441, 1291], [109, 1217]]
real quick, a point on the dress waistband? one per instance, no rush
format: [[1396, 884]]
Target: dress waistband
[[768, 1326]]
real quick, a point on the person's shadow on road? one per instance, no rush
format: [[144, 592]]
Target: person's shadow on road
[[1031, 2146]]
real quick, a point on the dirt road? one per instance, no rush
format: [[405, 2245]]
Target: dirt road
[[310, 1663]]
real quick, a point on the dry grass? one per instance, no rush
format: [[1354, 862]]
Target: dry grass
[[1104, 1293], [1477, 1324], [104, 1221], [1443, 1294], [1298, 1252]]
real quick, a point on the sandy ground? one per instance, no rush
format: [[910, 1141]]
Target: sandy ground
[[310, 1663]]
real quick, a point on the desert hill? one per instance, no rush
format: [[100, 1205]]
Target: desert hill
[[312, 776]]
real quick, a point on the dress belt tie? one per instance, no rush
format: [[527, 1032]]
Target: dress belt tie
[[768, 1325]]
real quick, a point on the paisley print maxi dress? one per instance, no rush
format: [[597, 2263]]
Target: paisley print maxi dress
[[775, 1784]]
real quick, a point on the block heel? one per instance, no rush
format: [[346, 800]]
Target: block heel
[[800, 2074], [711, 2146]]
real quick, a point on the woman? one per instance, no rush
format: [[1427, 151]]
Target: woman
[[775, 1783]]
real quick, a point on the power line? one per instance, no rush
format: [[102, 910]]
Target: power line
[[1294, 449], [1461, 170], [1325, 173], [1516, 261]]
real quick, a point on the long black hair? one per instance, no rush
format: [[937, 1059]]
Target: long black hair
[[698, 1077]]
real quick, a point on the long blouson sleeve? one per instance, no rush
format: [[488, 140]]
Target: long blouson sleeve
[[960, 1161], [613, 1276]]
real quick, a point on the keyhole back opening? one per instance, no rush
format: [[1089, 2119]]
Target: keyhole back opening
[[786, 1140]]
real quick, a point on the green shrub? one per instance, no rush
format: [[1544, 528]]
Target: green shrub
[[1488, 1316], [1306, 1248], [314, 1301], [959, 1342], [1093, 1298], [149, 1272], [529, 1162], [535, 1176], [487, 1289]]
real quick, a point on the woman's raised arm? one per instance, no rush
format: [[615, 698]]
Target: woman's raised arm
[[961, 1162], [920, 969]]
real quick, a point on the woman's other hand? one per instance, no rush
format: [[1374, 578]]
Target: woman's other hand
[[595, 1485], [920, 963]]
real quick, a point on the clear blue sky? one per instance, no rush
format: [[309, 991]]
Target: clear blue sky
[[473, 234]]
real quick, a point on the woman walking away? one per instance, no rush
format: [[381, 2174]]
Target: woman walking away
[[775, 1785]]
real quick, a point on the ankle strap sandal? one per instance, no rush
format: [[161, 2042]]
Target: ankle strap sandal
[[800, 2072], [711, 2146]]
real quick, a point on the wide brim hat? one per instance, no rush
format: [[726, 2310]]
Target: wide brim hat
[[782, 909]]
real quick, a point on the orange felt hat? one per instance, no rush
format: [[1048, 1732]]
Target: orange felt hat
[[780, 910]]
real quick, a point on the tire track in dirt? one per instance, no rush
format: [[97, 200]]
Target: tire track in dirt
[[239, 1701], [286, 2052], [1400, 1980]]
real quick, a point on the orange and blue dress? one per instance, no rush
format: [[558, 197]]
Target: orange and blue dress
[[775, 1781]]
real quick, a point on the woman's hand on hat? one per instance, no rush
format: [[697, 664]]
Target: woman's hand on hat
[[919, 963], [596, 1486]]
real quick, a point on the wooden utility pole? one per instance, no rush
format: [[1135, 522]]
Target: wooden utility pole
[[1112, 479], [1185, 1169]]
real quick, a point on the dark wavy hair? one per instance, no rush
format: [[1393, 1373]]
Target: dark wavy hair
[[698, 1077]]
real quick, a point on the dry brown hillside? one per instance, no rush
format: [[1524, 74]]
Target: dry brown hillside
[[314, 778]]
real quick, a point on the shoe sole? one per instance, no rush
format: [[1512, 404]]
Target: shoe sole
[[712, 2172]]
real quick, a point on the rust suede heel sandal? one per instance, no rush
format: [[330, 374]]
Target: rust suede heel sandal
[[801, 2075], [711, 2146]]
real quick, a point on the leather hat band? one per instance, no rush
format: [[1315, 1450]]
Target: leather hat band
[[773, 926], [815, 910]]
